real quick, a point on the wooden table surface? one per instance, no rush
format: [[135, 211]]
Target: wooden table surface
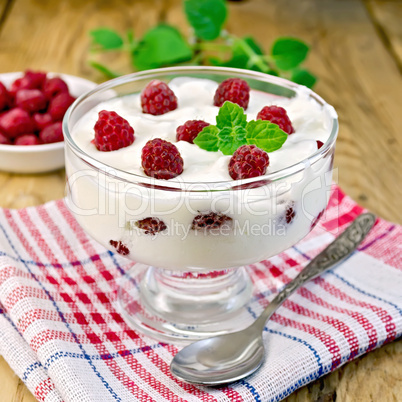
[[357, 55]]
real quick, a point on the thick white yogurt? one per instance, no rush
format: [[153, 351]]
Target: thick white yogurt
[[195, 102], [108, 208]]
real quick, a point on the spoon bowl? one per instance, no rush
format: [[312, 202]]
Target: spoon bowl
[[220, 359], [230, 357]]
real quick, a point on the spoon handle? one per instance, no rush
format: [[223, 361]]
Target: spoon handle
[[341, 248]]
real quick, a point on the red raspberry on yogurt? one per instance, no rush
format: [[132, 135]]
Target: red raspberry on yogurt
[[234, 90], [248, 161], [112, 132], [276, 115], [189, 130], [161, 159], [157, 98]]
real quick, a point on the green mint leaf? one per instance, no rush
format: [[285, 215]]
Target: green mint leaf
[[303, 77], [231, 115], [231, 138], [161, 46], [265, 135], [288, 53], [206, 17], [208, 139], [104, 70], [106, 38]]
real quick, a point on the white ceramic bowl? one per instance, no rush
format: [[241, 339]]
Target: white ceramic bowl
[[38, 158]]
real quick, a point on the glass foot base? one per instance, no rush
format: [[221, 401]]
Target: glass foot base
[[183, 307]]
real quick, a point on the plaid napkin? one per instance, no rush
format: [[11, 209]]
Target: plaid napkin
[[62, 335]]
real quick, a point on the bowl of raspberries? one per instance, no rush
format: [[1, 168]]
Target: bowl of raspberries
[[32, 107]]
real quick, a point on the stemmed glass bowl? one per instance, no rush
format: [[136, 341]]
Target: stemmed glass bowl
[[187, 282]]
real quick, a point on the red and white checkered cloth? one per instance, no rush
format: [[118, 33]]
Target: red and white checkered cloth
[[62, 335]]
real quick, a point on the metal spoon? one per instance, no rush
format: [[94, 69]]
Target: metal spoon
[[230, 357]]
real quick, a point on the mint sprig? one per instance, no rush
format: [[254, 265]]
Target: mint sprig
[[232, 131], [164, 45]]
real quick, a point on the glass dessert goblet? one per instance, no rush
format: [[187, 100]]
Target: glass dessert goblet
[[193, 240]]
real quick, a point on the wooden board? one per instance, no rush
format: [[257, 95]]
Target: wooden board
[[5, 6], [358, 76], [386, 16], [356, 53]]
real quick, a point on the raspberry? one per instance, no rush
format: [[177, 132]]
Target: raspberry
[[27, 139], [52, 133], [54, 86], [197, 275], [277, 115], [112, 132], [189, 130], [161, 159], [120, 247], [41, 120], [31, 100], [15, 122], [30, 80], [290, 213], [4, 140], [5, 100], [157, 98], [36, 79], [234, 90], [17, 85], [316, 219], [151, 225], [59, 105], [248, 161], [210, 221], [319, 144]]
